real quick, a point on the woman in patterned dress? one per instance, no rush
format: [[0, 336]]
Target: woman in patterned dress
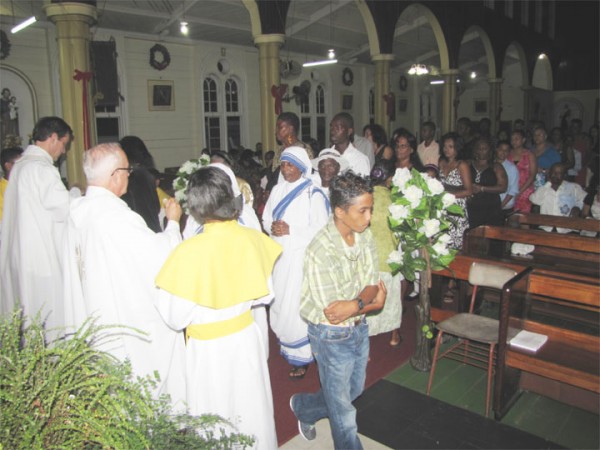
[[455, 175]]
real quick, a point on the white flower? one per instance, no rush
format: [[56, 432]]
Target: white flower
[[435, 187], [430, 227], [399, 212], [180, 196], [395, 257], [401, 177], [448, 199], [188, 167], [444, 238], [440, 248], [413, 194]]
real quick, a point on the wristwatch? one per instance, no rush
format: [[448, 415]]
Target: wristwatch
[[361, 304]]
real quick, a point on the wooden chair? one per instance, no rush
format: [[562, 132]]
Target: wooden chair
[[477, 335]]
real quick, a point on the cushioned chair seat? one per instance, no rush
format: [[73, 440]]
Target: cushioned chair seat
[[472, 327]]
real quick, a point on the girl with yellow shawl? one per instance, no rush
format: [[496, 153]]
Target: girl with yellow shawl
[[208, 286]]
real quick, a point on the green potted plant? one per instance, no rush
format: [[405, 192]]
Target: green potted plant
[[68, 395]]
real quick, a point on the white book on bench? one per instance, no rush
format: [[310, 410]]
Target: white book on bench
[[526, 340]]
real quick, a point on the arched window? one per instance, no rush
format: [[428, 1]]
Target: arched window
[[312, 117], [222, 119]]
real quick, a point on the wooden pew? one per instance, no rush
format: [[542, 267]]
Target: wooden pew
[[567, 253], [567, 367], [533, 221]]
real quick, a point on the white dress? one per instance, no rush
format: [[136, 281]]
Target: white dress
[[36, 205], [111, 262], [306, 215], [229, 375]]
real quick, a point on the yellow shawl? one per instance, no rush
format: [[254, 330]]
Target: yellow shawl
[[225, 265]]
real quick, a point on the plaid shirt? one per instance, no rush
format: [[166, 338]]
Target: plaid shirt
[[335, 271]]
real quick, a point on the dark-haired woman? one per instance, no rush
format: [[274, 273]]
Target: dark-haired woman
[[527, 165], [378, 138], [141, 193], [406, 152], [455, 175], [226, 366], [489, 181]]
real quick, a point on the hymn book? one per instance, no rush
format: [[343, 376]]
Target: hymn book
[[526, 340]]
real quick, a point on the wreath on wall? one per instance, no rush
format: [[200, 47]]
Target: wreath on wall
[[159, 57], [347, 76], [4, 45]]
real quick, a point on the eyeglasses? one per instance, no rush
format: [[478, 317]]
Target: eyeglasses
[[127, 169]]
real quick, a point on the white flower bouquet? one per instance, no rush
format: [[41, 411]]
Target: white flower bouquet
[[420, 219], [182, 179]]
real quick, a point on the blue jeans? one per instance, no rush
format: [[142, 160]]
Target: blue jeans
[[342, 354]]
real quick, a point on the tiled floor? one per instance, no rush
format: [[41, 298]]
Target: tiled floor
[[324, 441], [464, 386]]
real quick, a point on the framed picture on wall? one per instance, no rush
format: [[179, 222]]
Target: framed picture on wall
[[161, 95], [480, 106], [346, 100]]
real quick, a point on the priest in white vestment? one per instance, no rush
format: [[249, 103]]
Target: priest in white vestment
[[209, 285], [36, 205], [112, 260], [295, 211]]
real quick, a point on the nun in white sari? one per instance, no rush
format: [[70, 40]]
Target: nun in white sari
[[295, 211]]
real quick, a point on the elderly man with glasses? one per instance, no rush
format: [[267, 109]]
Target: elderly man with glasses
[[111, 262]]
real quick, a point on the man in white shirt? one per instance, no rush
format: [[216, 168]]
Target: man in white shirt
[[111, 260], [559, 197], [36, 205], [341, 129], [428, 150]]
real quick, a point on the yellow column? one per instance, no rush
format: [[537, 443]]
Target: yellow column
[[382, 87], [268, 63], [449, 99], [73, 22], [495, 104]]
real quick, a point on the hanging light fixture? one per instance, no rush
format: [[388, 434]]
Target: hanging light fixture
[[418, 69], [183, 25], [331, 59], [184, 28]]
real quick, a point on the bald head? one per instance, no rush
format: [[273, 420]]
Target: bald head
[[106, 165]]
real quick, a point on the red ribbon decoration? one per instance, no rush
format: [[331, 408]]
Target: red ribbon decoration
[[85, 77], [277, 92]]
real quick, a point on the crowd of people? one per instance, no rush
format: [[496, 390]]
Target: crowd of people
[[302, 234]]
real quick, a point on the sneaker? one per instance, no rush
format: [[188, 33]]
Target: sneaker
[[308, 432]]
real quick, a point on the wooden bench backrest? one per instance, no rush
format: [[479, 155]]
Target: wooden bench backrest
[[538, 237], [567, 289], [519, 219]]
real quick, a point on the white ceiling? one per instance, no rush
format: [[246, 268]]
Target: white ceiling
[[313, 26]]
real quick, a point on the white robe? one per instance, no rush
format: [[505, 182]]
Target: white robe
[[36, 205], [248, 219], [306, 215], [227, 376], [111, 262]]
